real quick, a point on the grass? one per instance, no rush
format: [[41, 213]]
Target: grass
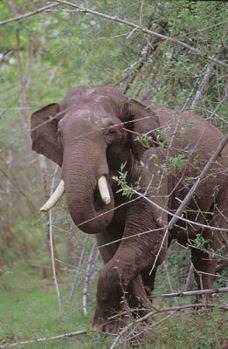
[[29, 309]]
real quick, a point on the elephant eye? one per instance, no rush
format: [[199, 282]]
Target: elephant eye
[[113, 134], [111, 129]]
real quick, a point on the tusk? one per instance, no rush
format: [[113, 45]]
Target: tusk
[[52, 201], [103, 189]]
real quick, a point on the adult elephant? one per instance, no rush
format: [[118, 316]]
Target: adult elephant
[[91, 134]]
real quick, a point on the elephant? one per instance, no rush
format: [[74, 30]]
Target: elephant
[[126, 168]]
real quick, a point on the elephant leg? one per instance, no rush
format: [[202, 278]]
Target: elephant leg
[[135, 291], [148, 278], [108, 242], [134, 255], [136, 297], [205, 262], [205, 269], [148, 275]]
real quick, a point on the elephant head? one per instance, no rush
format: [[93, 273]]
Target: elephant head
[[89, 135]]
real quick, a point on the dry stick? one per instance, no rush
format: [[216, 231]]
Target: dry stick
[[178, 308], [188, 279], [190, 194], [169, 280], [89, 268], [196, 292], [43, 339], [204, 82], [29, 14], [50, 230], [202, 86], [146, 51], [173, 311], [146, 31], [76, 274]]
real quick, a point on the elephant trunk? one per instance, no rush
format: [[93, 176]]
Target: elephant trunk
[[88, 193]]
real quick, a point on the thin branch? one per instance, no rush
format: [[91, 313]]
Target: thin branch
[[196, 292], [29, 14], [169, 280], [89, 270], [43, 339], [50, 229], [202, 86], [146, 31], [76, 274], [188, 279], [147, 49]]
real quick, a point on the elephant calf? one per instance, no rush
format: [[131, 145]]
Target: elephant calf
[[126, 168]]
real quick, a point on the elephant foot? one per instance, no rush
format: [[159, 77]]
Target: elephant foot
[[112, 325], [203, 301]]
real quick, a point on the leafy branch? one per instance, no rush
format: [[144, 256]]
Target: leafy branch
[[121, 179], [135, 27], [144, 30]]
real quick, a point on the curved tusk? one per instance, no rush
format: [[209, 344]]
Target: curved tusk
[[103, 189], [52, 201]]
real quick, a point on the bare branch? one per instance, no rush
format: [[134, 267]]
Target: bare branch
[[76, 274], [29, 14], [91, 260], [147, 49], [50, 229], [146, 31], [196, 292], [43, 339], [179, 308], [202, 86]]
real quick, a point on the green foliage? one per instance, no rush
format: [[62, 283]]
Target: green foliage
[[175, 164], [121, 179], [144, 139], [161, 136], [178, 162], [199, 242]]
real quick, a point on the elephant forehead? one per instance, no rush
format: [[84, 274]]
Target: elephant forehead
[[85, 120]]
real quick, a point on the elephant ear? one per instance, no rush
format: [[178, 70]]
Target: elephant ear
[[144, 123], [44, 127]]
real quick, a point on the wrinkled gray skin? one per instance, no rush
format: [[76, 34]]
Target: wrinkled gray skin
[[95, 131]]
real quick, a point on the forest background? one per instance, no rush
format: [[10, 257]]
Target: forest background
[[44, 55]]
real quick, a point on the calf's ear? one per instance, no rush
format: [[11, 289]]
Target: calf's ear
[[44, 127]]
